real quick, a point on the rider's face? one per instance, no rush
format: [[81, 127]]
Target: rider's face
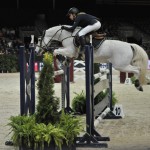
[[71, 16]]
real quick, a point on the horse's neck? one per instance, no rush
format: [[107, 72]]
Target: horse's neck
[[46, 40], [60, 35], [76, 31]]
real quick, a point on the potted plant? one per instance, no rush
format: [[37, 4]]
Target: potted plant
[[27, 134], [47, 128]]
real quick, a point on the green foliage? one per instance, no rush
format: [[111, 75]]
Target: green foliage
[[48, 104], [79, 103], [133, 79], [26, 132], [56, 133], [46, 133], [9, 63], [71, 125], [114, 99], [46, 126], [21, 127]]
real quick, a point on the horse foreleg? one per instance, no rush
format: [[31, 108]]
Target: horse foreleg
[[136, 71]]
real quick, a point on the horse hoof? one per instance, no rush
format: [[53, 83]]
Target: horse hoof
[[9, 143], [137, 85], [140, 88]]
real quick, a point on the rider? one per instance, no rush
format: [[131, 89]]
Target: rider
[[88, 23]]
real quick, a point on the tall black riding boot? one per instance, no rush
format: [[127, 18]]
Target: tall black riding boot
[[82, 43]]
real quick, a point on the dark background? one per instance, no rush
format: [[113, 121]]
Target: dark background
[[125, 20], [23, 12]]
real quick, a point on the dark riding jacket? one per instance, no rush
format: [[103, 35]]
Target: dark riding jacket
[[82, 20]]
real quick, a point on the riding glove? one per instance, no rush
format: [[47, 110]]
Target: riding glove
[[67, 28], [62, 27]]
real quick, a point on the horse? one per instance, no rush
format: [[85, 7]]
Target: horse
[[124, 56]]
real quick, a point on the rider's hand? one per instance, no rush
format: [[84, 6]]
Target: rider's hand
[[62, 27], [66, 28]]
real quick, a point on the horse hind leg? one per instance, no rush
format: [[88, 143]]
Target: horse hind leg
[[136, 71]]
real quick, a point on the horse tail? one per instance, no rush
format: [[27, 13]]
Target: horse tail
[[140, 59]]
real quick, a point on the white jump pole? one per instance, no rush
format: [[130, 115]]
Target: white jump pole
[[59, 72], [32, 39], [100, 74], [100, 118]]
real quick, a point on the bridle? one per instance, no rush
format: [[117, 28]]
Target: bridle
[[46, 46]]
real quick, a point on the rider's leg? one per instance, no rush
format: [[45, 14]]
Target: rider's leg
[[82, 43], [90, 28], [86, 30]]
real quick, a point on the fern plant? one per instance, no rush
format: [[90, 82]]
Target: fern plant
[[21, 128], [79, 102], [38, 133], [56, 133], [43, 133], [71, 126]]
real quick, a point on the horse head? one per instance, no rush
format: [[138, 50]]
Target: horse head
[[54, 34], [45, 41]]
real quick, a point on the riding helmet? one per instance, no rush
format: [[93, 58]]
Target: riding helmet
[[73, 10]]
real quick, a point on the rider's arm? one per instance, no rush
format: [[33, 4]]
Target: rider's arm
[[71, 29], [67, 28]]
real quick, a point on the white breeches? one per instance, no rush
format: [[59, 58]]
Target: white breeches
[[90, 28]]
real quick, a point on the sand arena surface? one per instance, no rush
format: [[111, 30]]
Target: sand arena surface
[[129, 133]]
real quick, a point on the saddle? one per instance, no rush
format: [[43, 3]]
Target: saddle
[[97, 39]]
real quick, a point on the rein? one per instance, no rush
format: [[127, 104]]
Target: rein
[[49, 43]]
